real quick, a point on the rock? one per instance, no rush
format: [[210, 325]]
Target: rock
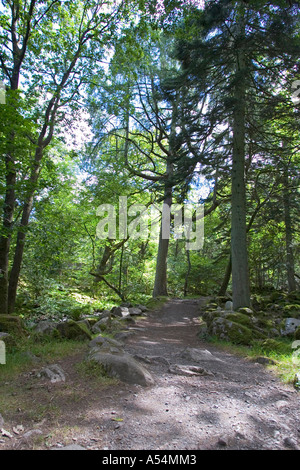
[[142, 307], [102, 342], [120, 311], [246, 310], [122, 366], [102, 324], [199, 355], [45, 327], [222, 441], [274, 333], [12, 324], [280, 404], [290, 326], [32, 433], [290, 443], [297, 333], [127, 320], [188, 370], [230, 331], [53, 372], [228, 305], [135, 311], [74, 330], [152, 359], [123, 335]]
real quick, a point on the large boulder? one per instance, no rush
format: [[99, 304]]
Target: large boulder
[[229, 330], [123, 366], [74, 330], [12, 324], [45, 327], [117, 363]]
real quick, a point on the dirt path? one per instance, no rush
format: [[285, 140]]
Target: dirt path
[[229, 403]]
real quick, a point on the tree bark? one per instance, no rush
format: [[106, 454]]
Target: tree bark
[[226, 278], [290, 262], [239, 254], [19, 250], [7, 224], [160, 283]]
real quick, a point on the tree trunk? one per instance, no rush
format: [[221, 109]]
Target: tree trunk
[[290, 262], [240, 274], [8, 212], [160, 283], [226, 278], [185, 289], [19, 250]]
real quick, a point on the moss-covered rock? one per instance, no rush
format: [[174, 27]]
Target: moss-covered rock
[[9, 341], [292, 309], [240, 318], [297, 333], [74, 330], [228, 330], [246, 311], [12, 324]]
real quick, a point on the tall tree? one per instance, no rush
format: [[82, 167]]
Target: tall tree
[[238, 54], [49, 45]]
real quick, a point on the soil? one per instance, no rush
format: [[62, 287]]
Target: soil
[[223, 402]]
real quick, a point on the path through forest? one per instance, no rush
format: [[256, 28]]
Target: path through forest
[[230, 402]]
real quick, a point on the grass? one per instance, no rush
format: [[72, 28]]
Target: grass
[[31, 351], [95, 371]]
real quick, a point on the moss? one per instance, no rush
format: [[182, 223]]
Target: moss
[[240, 318], [74, 330], [292, 309], [297, 333], [210, 315], [228, 330], [12, 324], [239, 334]]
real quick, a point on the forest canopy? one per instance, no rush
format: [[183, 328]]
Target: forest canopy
[[117, 119]]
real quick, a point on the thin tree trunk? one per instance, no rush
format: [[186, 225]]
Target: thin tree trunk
[[5, 240], [240, 274], [226, 278], [185, 290], [160, 283], [19, 250], [290, 262]]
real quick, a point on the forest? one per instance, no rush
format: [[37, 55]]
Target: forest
[[115, 113], [149, 226]]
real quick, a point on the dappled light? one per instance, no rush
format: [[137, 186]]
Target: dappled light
[[149, 226]]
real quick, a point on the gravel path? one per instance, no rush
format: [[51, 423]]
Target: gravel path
[[203, 398]]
